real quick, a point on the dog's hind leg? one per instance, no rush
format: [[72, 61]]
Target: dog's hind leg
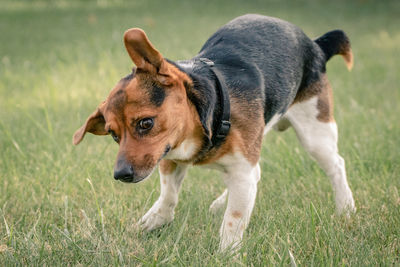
[[162, 212], [316, 129]]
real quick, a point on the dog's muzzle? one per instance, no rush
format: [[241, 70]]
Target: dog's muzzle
[[124, 172]]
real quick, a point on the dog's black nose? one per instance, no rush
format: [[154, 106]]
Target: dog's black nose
[[123, 171]]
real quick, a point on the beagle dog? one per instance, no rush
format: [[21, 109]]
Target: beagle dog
[[255, 73]]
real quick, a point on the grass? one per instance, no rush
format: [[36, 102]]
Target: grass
[[59, 204]]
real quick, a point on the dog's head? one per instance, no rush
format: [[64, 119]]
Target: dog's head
[[147, 113]]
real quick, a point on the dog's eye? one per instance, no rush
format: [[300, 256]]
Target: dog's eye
[[146, 124], [113, 135]]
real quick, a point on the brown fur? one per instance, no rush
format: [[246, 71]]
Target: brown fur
[[325, 105], [167, 166], [245, 135], [130, 102], [347, 54], [145, 152], [237, 214], [323, 91]]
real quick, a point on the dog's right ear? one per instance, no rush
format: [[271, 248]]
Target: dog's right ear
[[94, 124], [143, 53]]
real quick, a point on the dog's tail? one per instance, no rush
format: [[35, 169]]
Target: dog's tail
[[334, 43]]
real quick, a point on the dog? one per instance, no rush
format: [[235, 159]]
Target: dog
[[254, 74]]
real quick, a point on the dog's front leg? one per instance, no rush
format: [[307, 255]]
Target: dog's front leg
[[242, 190], [162, 212]]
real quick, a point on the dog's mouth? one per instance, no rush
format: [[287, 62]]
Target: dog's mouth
[[131, 179], [138, 178]]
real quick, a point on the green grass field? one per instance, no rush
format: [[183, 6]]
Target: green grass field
[[59, 204]]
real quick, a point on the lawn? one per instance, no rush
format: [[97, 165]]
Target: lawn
[[59, 204]]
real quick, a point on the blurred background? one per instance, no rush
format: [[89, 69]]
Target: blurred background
[[60, 205]]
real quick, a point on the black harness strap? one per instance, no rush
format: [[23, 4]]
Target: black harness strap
[[224, 124]]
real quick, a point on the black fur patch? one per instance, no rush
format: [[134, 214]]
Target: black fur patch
[[129, 76], [333, 43], [117, 102], [157, 95]]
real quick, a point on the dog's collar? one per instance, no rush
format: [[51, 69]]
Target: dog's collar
[[223, 124]]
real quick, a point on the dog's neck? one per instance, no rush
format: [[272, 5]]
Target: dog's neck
[[206, 97]]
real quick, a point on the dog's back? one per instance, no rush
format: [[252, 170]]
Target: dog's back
[[278, 59]]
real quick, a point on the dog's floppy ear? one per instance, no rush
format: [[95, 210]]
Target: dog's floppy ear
[[204, 105], [143, 53], [94, 124]]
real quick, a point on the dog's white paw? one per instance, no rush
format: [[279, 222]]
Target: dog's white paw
[[229, 243], [345, 204], [347, 208], [219, 203], [155, 218]]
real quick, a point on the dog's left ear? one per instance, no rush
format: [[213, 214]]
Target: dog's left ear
[[94, 124], [144, 55]]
